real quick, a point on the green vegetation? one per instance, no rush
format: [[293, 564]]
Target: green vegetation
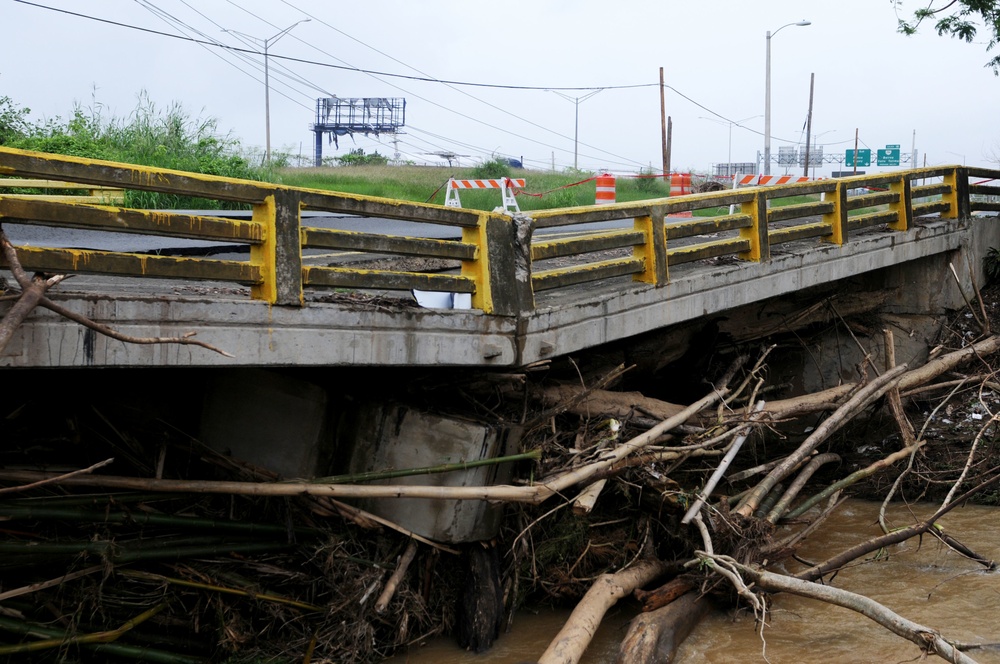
[[359, 158], [13, 121], [961, 19], [166, 138], [543, 190], [493, 168]]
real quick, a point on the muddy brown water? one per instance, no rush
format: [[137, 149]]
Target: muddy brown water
[[923, 581]]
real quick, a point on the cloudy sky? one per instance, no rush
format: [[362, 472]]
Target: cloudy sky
[[868, 77]]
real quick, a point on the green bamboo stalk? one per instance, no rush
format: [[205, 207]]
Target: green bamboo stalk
[[83, 639], [851, 479], [249, 594], [534, 455], [769, 501], [137, 653]]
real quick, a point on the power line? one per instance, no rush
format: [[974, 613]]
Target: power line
[[372, 73], [359, 70], [462, 92], [279, 67], [245, 52], [482, 101]]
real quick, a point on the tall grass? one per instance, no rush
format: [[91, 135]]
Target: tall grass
[[150, 136], [543, 190]]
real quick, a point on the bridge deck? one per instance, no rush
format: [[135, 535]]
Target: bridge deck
[[537, 291], [377, 329]]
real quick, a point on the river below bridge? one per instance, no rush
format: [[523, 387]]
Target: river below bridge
[[922, 580]]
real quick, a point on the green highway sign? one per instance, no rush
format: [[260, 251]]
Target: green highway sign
[[864, 158], [888, 157]]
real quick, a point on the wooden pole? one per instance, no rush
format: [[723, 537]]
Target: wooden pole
[[663, 127], [855, 151], [670, 139]]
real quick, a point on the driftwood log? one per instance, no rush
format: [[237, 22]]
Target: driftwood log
[[655, 636], [575, 636]]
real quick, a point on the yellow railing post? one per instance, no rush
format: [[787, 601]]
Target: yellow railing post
[[756, 208], [279, 256], [904, 207], [478, 268], [952, 197], [653, 251], [263, 254], [838, 216], [502, 266]]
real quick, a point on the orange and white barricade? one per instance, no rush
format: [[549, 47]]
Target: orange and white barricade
[[505, 185], [768, 180], [753, 180]]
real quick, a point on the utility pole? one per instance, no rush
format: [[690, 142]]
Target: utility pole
[[663, 127], [809, 123], [670, 140], [855, 151]]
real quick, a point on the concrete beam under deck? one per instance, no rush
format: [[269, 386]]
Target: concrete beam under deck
[[558, 328], [332, 334], [260, 335]]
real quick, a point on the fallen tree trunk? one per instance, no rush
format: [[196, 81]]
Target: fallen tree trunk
[[823, 400], [860, 400], [928, 639], [575, 636], [665, 594], [607, 403], [654, 637]]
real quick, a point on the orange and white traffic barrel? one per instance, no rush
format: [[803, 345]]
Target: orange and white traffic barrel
[[680, 184], [605, 189]]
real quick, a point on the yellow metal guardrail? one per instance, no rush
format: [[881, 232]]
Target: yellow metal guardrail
[[94, 194], [277, 238], [499, 265], [848, 205]]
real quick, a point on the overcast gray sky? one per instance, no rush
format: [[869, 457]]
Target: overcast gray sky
[[868, 76]]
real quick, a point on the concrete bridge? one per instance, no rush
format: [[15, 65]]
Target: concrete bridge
[[305, 295], [297, 290]]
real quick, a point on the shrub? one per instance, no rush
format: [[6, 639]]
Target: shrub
[[496, 167], [13, 121], [358, 157], [648, 182]]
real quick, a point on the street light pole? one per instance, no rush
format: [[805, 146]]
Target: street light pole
[[767, 96], [576, 122], [267, 89], [730, 123]]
